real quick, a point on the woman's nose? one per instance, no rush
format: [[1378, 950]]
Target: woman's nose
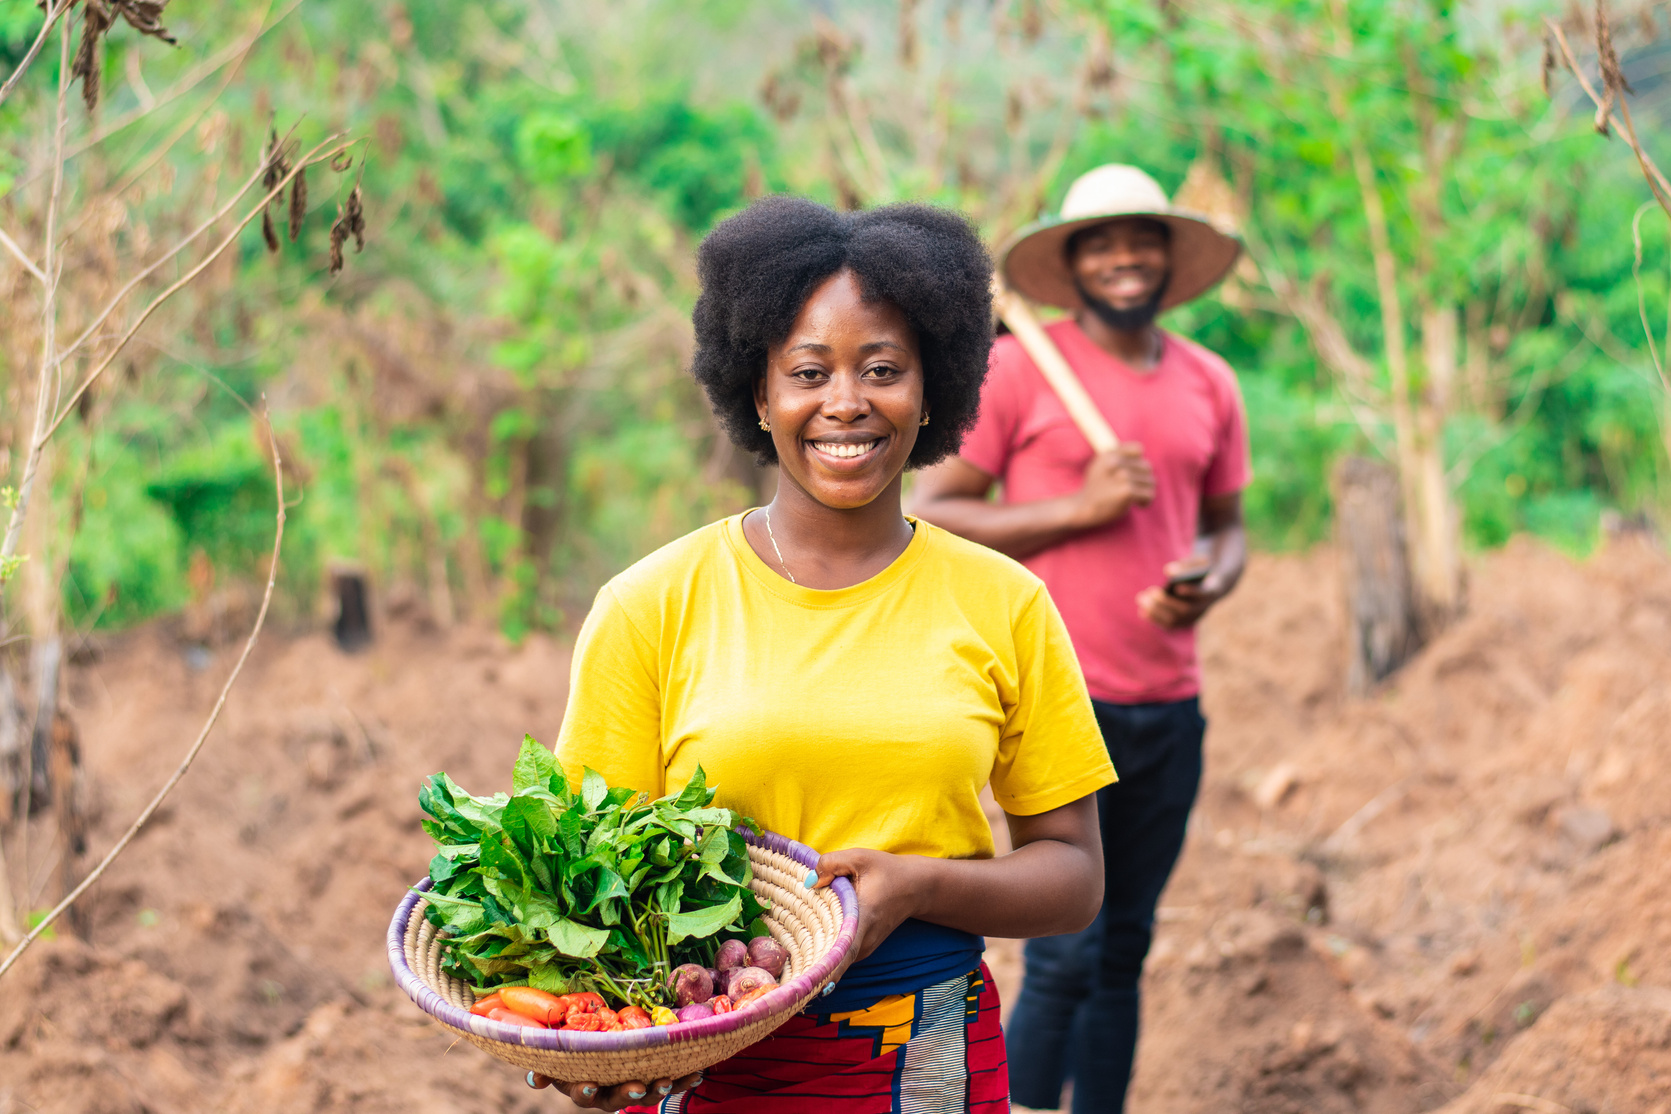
[[845, 400]]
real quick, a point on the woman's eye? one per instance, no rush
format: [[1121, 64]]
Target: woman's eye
[[882, 371]]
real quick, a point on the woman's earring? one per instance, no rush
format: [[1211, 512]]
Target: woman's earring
[[765, 425], [924, 421]]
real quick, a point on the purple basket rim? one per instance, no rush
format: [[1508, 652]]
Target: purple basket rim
[[777, 1001]]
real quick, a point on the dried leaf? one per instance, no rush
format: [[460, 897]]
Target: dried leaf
[[89, 53], [267, 231], [145, 17], [1611, 74], [298, 203], [342, 161], [355, 216], [1548, 61], [339, 233]]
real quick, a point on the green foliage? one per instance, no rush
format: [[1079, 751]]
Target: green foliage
[[598, 889], [492, 400]]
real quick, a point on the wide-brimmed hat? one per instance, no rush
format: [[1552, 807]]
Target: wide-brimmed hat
[[1034, 261]]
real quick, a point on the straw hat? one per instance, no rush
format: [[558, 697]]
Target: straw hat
[[1034, 261]]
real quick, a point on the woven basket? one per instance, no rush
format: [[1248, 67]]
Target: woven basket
[[816, 927]]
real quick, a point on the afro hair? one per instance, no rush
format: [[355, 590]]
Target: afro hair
[[758, 268]]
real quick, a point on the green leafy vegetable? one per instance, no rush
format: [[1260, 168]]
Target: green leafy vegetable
[[601, 890]]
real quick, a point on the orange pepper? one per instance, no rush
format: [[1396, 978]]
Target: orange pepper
[[483, 1005], [511, 1017], [541, 1005]]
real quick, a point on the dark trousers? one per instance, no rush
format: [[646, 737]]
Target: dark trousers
[[1078, 1009]]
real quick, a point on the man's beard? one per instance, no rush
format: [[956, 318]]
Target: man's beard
[[1130, 320]]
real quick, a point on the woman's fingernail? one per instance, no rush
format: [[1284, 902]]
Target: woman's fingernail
[[811, 879], [665, 1088], [588, 1090], [531, 1082], [634, 1093]]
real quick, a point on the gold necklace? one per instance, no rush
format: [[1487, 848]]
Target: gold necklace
[[773, 538]]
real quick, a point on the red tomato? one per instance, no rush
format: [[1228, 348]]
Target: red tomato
[[584, 1023], [510, 1017], [593, 1002], [483, 1005], [631, 1015], [540, 1005], [721, 1003], [575, 1003], [609, 1016]]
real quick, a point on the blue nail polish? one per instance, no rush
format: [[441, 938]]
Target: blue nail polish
[[635, 1095], [665, 1088], [588, 1091], [811, 879]]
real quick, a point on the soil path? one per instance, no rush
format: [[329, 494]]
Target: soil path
[[1450, 895]]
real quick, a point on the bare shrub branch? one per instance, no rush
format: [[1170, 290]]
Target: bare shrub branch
[[28, 264], [202, 736], [52, 17]]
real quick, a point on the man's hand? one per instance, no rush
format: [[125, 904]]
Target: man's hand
[[1182, 605], [1115, 481]]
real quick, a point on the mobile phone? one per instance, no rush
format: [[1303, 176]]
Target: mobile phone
[[1190, 576]]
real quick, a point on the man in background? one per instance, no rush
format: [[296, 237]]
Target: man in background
[[1135, 545]]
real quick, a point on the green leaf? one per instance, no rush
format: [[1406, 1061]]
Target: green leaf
[[695, 793], [535, 766], [551, 979], [593, 789], [703, 922], [528, 815], [576, 940]]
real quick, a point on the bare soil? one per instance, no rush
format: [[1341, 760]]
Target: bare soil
[[1452, 895]]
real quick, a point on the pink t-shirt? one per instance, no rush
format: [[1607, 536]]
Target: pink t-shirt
[[1187, 414]]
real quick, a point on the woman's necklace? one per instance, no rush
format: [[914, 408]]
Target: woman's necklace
[[775, 549]]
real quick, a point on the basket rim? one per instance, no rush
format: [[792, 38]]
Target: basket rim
[[779, 1001]]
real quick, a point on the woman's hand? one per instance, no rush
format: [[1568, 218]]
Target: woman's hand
[[888, 887], [589, 1096]]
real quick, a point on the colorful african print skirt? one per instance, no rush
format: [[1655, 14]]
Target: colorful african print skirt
[[938, 1051]]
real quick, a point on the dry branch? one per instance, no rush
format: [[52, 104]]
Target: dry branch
[[311, 158], [202, 736], [16, 75], [28, 264]]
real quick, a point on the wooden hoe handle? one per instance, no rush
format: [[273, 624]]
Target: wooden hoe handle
[[1024, 323]]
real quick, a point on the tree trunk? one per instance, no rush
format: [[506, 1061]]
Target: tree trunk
[[11, 749], [67, 805], [47, 661], [1430, 513], [1383, 631]]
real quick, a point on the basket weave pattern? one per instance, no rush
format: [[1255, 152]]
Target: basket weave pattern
[[816, 927]]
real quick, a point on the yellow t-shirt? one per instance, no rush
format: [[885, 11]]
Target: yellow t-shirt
[[869, 716]]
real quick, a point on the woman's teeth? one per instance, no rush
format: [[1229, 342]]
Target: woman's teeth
[[844, 448]]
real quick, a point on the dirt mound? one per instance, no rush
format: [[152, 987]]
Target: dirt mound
[[1607, 1051], [1450, 892], [1472, 845]]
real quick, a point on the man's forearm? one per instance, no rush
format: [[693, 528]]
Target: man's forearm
[[1228, 548], [1015, 529]]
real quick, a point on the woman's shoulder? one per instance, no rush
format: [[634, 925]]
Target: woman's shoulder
[[974, 568]]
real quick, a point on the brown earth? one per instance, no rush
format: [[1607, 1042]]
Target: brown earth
[[1451, 895]]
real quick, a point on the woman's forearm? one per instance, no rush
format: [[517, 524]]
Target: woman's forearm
[[1043, 889]]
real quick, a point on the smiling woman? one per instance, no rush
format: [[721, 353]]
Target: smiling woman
[[851, 677]]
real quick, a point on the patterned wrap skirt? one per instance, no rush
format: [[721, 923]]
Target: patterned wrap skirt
[[937, 1051]]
